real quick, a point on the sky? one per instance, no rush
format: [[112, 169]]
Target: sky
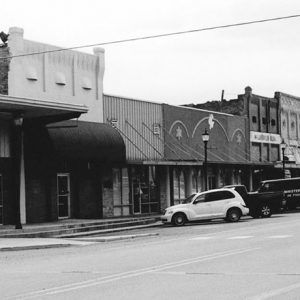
[[181, 69]]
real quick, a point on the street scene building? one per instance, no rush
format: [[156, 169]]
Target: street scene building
[[263, 115], [290, 133], [227, 158], [73, 152]]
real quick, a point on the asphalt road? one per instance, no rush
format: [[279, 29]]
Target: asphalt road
[[252, 259]]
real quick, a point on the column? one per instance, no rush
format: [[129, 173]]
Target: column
[[168, 190], [189, 181]]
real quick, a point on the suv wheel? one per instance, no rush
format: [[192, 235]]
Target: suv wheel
[[265, 211], [233, 215], [179, 219]]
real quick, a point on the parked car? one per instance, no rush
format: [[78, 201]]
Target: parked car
[[212, 204], [288, 189], [261, 203]]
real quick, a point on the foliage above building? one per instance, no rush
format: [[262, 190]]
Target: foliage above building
[[234, 106]]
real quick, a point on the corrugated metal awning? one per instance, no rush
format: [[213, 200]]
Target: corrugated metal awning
[[87, 140]]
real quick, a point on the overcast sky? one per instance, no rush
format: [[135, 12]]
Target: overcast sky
[[190, 68]]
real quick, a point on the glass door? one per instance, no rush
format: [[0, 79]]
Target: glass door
[[63, 195]]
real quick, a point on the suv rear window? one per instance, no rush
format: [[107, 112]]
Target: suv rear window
[[221, 195]]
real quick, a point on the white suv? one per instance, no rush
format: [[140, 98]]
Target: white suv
[[213, 204]]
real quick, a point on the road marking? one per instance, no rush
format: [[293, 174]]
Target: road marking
[[129, 274], [277, 292], [280, 236], [227, 273], [241, 237], [201, 238]]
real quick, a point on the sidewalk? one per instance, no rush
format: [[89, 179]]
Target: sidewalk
[[77, 227], [17, 244], [71, 232]]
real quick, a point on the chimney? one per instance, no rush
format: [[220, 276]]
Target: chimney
[[15, 40], [248, 91]]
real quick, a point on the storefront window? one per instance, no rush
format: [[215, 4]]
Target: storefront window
[[144, 190], [153, 190], [228, 176], [211, 182], [176, 187], [121, 192], [179, 186], [211, 179], [117, 192], [182, 186], [196, 181]]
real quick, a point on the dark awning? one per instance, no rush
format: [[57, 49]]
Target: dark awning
[[87, 140]]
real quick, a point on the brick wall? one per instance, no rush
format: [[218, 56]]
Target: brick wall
[[4, 67]]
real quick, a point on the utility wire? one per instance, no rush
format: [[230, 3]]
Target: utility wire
[[158, 35]]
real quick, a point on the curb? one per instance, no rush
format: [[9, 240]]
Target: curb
[[116, 238], [34, 247], [104, 231], [74, 242]]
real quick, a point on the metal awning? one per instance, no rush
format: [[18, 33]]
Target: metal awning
[[87, 140], [47, 111]]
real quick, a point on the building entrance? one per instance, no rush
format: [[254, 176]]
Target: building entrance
[[144, 190], [63, 195]]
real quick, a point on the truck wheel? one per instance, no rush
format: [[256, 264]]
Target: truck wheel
[[179, 219], [265, 211]]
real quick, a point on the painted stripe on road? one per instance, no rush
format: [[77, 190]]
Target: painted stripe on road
[[129, 274], [201, 238], [280, 236], [277, 292], [241, 237]]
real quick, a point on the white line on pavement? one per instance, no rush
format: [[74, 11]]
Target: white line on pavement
[[129, 274], [241, 237], [280, 236], [277, 292], [201, 238]]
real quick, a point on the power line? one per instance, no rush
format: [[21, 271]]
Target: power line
[[157, 36]]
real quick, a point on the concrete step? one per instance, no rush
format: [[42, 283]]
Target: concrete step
[[105, 231], [58, 230]]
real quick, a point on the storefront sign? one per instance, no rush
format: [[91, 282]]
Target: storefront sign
[[262, 137]]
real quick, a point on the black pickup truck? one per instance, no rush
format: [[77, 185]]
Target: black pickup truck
[[261, 203]]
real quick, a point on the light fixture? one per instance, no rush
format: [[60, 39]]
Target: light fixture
[[18, 120], [205, 136], [283, 146], [205, 139]]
